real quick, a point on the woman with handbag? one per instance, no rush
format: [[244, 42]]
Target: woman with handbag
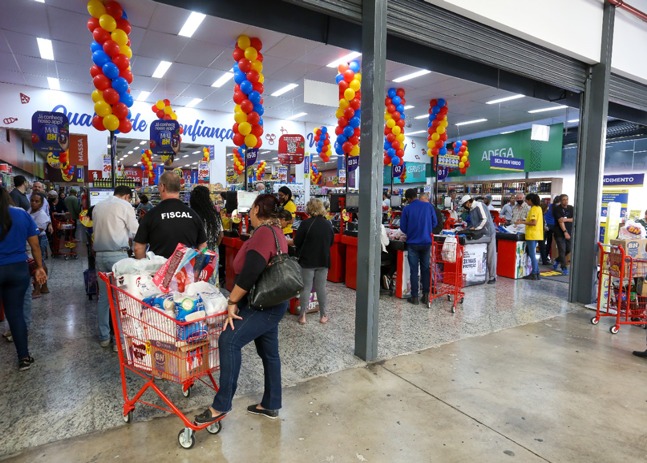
[[250, 322], [313, 241]]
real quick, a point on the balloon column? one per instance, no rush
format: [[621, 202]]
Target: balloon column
[[403, 175], [248, 91], [322, 140], [163, 110], [206, 155], [239, 162], [147, 165], [260, 171], [348, 113], [315, 175], [437, 126], [111, 72], [394, 127], [460, 150], [67, 171]]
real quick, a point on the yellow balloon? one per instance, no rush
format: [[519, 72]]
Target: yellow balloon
[[107, 22], [251, 53], [160, 104], [434, 137], [97, 95], [251, 140], [102, 108], [396, 130], [339, 113], [358, 76], [354, 84], [245, 128], [349, 94], [440, 129], [429, 153], [243, 42], [261, 78], [390, 124], [343, 103], [443, 124], [354, 151], [461, 165], [126, 50], [168, 110], [400, 138], [467, 153], [387, 116], [237, 109], [257, 66], [96, 8], [464, 159], [430, 144], [119, 36], [111, 122], [240, 118], [174, 116]]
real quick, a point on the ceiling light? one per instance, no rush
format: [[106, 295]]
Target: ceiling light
[[229, 154], [143, 95], [413, 75], [507, 131], [417, 132], [223, 79], [130, 152], [193, 102], [265, 152], [507, 98], [273, 159], [161, 69], [295, 116], [54, 83], [285, 89], [45, 48], [344, 59], [475, 121], [422, 116], [541, 110], [125, 156], [185, 156], [108, 146], [196, 152], [40, 1], [143, 142], [409, 106], [573, 121], [194, 163], [187, 165], [192, 23]]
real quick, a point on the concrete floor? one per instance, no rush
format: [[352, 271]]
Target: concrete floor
[[558, 390]]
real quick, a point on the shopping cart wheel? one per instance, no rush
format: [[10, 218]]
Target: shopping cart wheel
[[595, 320], [186, 438], [214, 428], [614, 329], [128, 417], [449, 298], [187, 393], [453, 309]]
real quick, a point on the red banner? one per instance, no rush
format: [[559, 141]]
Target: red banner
[[78, 151], [291, 148]]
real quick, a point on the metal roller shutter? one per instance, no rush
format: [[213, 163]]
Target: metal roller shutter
[[627, 92]]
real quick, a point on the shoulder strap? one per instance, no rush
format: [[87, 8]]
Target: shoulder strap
[[276, 240]]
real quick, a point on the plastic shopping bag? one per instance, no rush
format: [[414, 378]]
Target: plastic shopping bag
[[448, 253]]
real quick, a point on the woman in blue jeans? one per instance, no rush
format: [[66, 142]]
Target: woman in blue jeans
[[245, 323], [17, 228]]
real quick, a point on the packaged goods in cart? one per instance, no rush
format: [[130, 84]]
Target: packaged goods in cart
[[213, 300], [185, 266], [179, 363]]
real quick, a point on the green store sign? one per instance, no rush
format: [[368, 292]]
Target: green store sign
[[417, 172], [538, 155]]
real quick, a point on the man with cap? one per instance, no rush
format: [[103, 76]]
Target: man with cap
[[481, 220]]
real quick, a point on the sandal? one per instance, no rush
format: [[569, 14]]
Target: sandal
[[302, 321], [206, 417], [323, 320]]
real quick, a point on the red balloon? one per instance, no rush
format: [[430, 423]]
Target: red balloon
[[101, 82], [400, 92], [114, 9], [343, 85], [390, 138], [403, 101], [435, 151], [259, 142], [247, 106], [346, 147], [256, 43], [342, 67], [354, 140], [238, 53], [252, 76], [463, 148], [124, 25], [395, 145], [342, 122], [258, 87], [167, 117], [387, 160], [387, 101], [244, 65], [357, 131], [154, 109], [238, 139], [326, 141], [111, 96], [257, 130], [167, 102], [400, 153], [93, 23], [120, 110], [239, 97], [111, 48], [396, 116], [125, 126], [121, 61], [390, 108], [95, 71], [387, 130], [349, 113], [262, 101], [349, 75], [235, 128], [100, 35], [128, 75], [338, 130], [160, 113], [355, 103], [260, 57], [443, 111], [97, 123], [400, 123], [433, 102], [443, 136], [253, 117]]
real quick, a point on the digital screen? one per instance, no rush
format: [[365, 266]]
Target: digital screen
[[352, 201], [96, 196], [245, 200], [396, 201]]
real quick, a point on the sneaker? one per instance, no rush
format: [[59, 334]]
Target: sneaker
[[413, 300], [640, 353], [565, 271], [114, 348], [555, 265], [491, 281], [425, 298], [271, 414], [25, 364], [105, 343]]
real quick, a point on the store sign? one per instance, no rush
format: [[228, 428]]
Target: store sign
[[353, 163], [50, 131], [341, 177], [416, 173], [449, 160], [397, 170], [79, 174], [251, 155], [78, 152], [107, 166], [510, 164], [442, 172], [624, 180], [291, 149], [283, 174], [203, 172], [306, 164], [165, 137]]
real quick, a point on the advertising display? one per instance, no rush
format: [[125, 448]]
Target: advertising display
[[475, 263], [291, 149], [50, 131], [416, 173], [203, 172], [353, 163], [250, 157], [165, 137]]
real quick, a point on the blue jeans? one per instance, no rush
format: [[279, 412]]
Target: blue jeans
[[14, 283], [262, 327], [104, 263], [419, 254], [531, 249]]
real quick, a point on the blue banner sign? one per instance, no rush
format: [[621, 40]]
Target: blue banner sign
[[250, 156], [353, 163], [165, 137], [624, 180], [50, 131], [512, 164], [397, 170]]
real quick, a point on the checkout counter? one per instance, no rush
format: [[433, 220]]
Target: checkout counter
[[512, 259]]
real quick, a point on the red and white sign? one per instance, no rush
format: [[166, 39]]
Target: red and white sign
[[291, 148]]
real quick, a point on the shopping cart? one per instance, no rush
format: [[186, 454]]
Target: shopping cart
[[155, 346], [63, 243], [447, 277], [621, 292]]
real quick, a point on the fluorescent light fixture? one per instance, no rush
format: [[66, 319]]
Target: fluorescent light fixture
[[143, 142], [422, 116], [196, 152], [143, 95], [40, 1], [108, 146], [187, 165], [416, 132], [504, 99], [295, 116], [475, 121], [124, 156], [413, 75], [194, 163], [265, 152], [185, 156], [193, 102], [285, 89], [161, 69], [45, 48], [191, 24], [223, 79], [573, 121], [552, 108], [273, 159], [54, 84], [507, 131], [344, 59], [130, 152], [409, 106]]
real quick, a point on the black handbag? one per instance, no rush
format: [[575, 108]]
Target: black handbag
[[280, 281]]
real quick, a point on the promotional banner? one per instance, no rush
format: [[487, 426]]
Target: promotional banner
[[509, 164], [443, 172], [623, 180], [283, 174], [78, 152], [50, 131], [107, 166], [449, 160], [203, 172], [353, 163], [341, 177], [250, 157], [165, 137], [416, 173], [291, 149]]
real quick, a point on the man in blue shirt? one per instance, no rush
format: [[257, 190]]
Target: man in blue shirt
[[417, 221]]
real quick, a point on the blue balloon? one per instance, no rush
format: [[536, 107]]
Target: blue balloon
[[391, 152], [354, 122], [435, 110], [94, 46], [429, 123], [127, 99], [441, 102], [260, 121], [235, 67], [342, 139], [457, 145], [338, 150], [348, 130], [391, 93], [339, 78], [120, 85], [354, 66], [110, 70], [387, 145], [259, 109], [442, 151], [246, 87], [239, 77], [396, 100], [400, 108], [100, 58], [124, 15], [254, 97], [403, 116], [324, 130], [358, 113]]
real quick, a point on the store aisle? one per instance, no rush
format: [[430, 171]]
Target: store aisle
[[74, 387]]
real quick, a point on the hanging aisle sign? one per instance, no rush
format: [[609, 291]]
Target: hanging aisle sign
[[50, 131], [448, 160], [397, 170], [353, 163], [165, 137], [203, 172], [510, 164], [291, 149], [250, 156]]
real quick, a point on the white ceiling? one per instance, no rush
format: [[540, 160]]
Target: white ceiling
[[200, 60]]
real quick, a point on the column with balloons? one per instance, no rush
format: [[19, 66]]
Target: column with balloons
[[403, 175], [315, 175], [322, 143], [248, 93], [67, 170], [111, 72], [348, 113], [239, 162], [461, 150], [394, 127], [437, 127], [147, 165], [260, 170]]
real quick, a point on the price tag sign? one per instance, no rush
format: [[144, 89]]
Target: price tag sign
[[449, 160], [50, 131], [165, 137]]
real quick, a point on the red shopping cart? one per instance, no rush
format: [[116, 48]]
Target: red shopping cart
[[63, 242], [156, 346], [447, 277]]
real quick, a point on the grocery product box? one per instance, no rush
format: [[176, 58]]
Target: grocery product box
[[138, 353], [634, 248], [179, 362]]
